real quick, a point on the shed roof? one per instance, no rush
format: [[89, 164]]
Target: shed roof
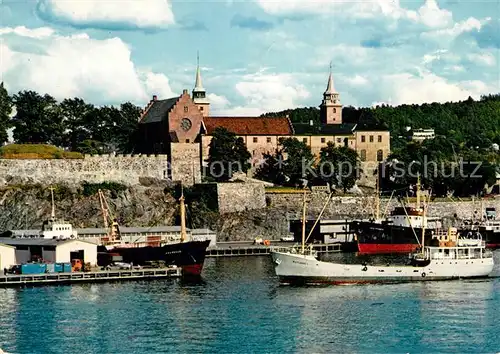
[[38, 241], [5, 245]]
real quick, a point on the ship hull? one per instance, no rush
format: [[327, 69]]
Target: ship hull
[[296, 269], [492, 238], [385, 238], [190, 256]]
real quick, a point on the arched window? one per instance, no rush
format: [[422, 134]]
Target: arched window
[[363, 155], [380, 155], [334, 110]]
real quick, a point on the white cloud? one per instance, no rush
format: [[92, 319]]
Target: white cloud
[[357, 80], [452, 32], [156, 84], [432, 16], [426, 87], [263, 92], [428, 14], [102, 14], [486, 59], [41, 32], [100, 71], [217, 103]]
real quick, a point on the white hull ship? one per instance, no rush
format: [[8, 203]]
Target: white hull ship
[[458, 262], [455, 257]]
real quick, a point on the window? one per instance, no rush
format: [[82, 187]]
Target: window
[[268, 140], [362, 138], [339, 140], [186, 109], [371, 138], [335, 110], [201, 109], [380, 155], [255, 139], [304, 140], [187, 140], [380, 138], [323, 140], [363, 155]]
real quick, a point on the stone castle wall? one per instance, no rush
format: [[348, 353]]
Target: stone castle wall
[[185, 161], [237, 196], [365, 207], [126, 169]]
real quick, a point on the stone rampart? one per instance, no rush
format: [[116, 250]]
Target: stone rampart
[[126, 169], [365, 206], [239, 196]]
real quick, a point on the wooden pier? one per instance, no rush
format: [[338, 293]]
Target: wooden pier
[[257, 250], [88, 277]]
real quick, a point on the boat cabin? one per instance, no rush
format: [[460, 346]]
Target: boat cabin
[[408, 217], [57, 229]]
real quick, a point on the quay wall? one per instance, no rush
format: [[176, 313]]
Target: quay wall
[[365, 206]]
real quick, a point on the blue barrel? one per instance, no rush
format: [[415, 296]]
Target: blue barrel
[[67, 267], [59, 267], [50, 267]]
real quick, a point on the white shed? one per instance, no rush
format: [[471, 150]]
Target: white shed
[[76, 249], [7, 256]]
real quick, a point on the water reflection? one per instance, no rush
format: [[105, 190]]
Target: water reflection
[[238, 306]]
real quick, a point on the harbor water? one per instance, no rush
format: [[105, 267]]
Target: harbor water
[[238, 307]]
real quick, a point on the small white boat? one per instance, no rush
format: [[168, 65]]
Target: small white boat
[[454, 257]]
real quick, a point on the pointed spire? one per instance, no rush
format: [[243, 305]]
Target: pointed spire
[[329, 87], [198, 85]]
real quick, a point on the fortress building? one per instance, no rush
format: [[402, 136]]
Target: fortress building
[[181, 127]]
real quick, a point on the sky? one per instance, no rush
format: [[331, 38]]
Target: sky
[[255, 55]]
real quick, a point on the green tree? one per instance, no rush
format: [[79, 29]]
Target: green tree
[[38, 119], [5, 111], [227, 155], [271, 170], [76, 113], [299, 161], [339, 166], [127, 127]]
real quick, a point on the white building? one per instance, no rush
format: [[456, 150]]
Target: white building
[[52, 250], [423, 134], [7, 256]]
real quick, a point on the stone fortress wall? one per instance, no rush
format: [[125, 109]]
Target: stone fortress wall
[[365, 206], [126, 169]]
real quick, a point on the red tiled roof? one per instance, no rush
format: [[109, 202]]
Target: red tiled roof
[[250, 125]]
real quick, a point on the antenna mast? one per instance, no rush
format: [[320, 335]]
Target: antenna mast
[[304, 222], [183, 216], [53, 212]]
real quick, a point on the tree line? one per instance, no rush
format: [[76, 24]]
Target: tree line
[[72, 124]]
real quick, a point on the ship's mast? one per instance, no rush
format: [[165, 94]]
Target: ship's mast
[[423, 227], [304, 222], [377, 198], [183, 216], [418, 191], [53, 212]]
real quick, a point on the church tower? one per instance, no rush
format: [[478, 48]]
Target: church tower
[[331, 108], [199, 94]]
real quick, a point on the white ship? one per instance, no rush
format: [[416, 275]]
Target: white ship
[[456, 257]]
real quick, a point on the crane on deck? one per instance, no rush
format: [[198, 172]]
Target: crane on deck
[[110, 222]]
